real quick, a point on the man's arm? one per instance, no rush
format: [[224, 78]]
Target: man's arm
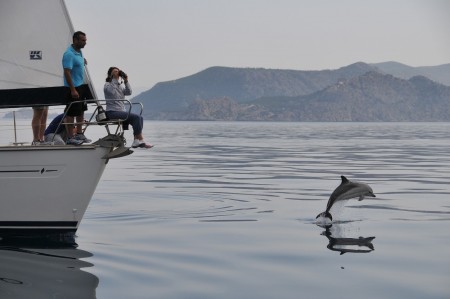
[[68, 77]]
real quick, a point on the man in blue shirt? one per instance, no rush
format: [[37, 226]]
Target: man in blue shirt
[[73, 64]]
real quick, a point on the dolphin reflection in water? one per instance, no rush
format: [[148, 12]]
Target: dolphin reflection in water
[[346, 190], [345, 245]]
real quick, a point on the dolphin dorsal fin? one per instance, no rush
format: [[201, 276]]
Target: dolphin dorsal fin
[[344, 179]]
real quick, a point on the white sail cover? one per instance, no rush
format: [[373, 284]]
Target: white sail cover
[[33, 37]]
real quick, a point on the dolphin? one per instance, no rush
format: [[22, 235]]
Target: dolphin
[[346, 190]]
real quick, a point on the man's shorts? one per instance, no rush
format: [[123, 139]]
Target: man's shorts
[[75, 109]]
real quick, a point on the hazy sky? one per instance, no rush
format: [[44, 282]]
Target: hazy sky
[[162, 40]]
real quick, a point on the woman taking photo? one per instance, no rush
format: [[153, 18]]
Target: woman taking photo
[[116, 88]]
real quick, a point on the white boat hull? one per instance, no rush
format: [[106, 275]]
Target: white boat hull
[[47, 189]]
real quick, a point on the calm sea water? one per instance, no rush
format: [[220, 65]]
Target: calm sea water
[[227, 210]]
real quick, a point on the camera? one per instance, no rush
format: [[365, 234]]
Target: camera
[[122, 74]]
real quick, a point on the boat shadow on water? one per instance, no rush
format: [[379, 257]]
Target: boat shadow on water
[[343, 244], [45, 267]]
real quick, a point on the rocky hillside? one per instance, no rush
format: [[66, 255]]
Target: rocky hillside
[[370, 97], [358, 92], [240, 84]]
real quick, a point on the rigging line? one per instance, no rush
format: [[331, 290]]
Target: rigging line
[[31, 68]]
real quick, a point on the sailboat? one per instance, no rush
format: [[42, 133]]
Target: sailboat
[[44, 189]]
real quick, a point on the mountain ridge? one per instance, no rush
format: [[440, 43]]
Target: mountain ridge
[[241, 85], [370, 97], [357, 99], [224, 93]]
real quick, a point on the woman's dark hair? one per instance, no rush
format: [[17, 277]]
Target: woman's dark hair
[[109, 78]]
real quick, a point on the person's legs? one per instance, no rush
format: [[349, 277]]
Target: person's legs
[[140, 120], [69, 125], [39, 123], [119, 115], [36, 123], [75, 111], [80, 120], [75, 131], [71, 110], [131, 119], [43, 123], [136, 121]]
